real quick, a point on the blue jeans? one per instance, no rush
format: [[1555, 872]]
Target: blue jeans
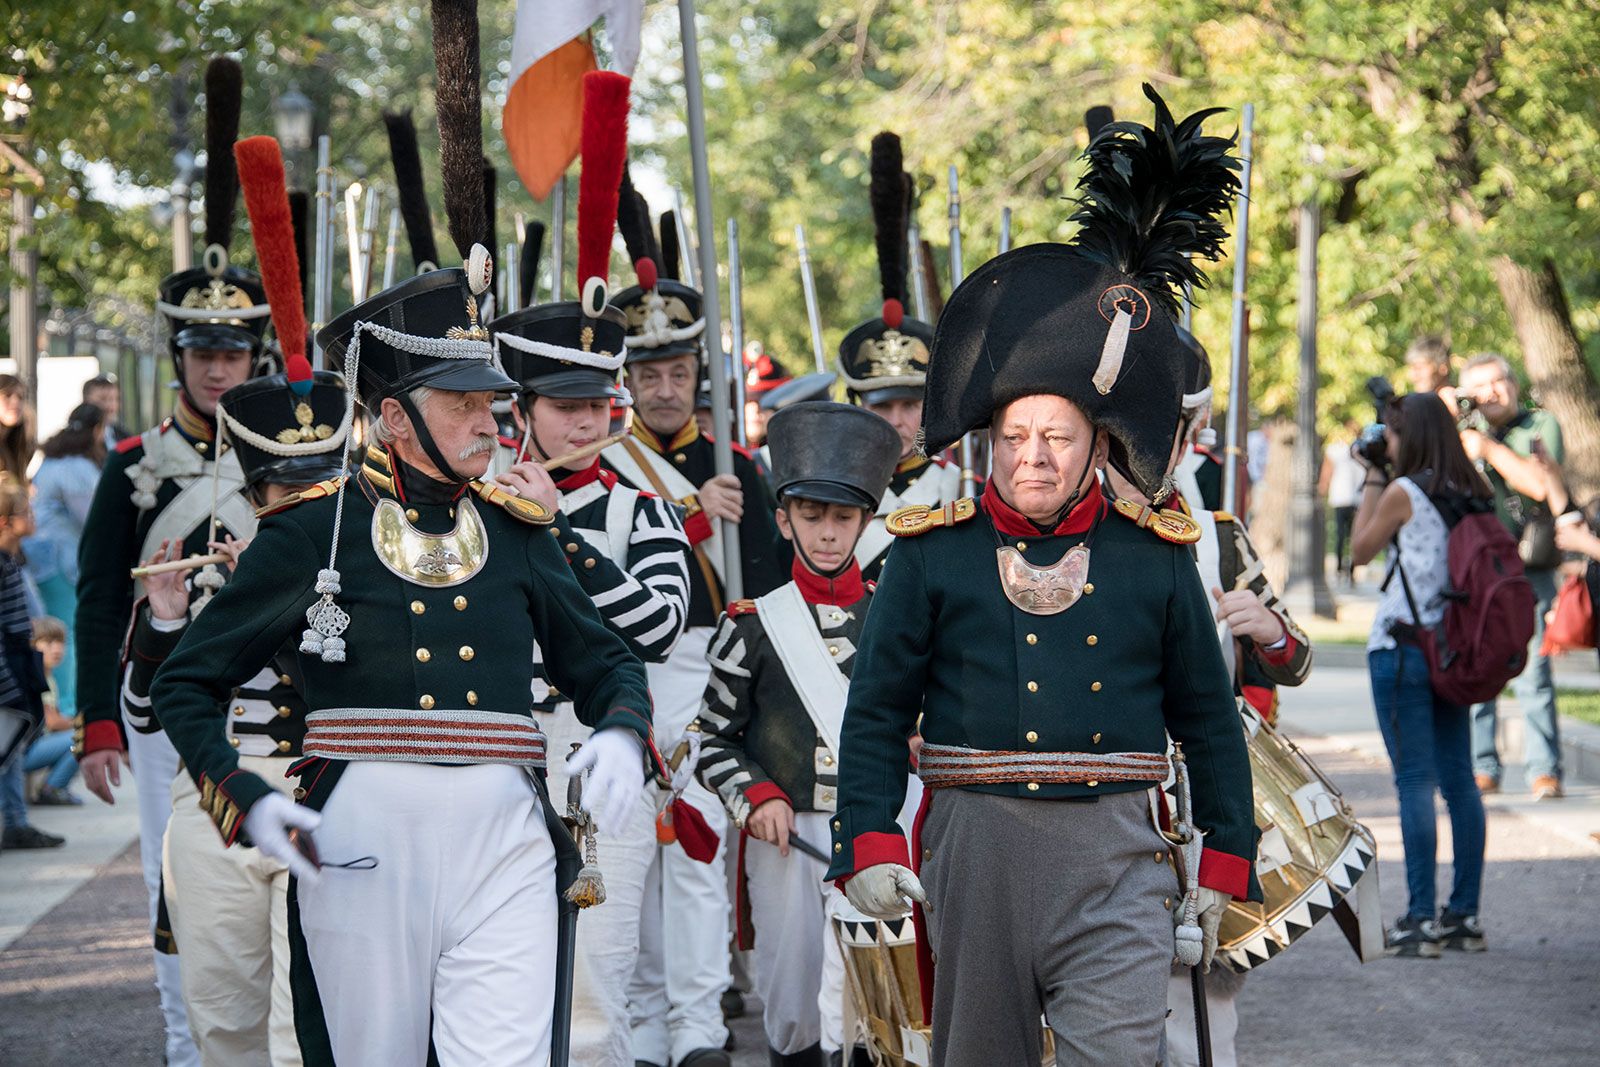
[[60, 599], [1536, 693], [1429, 746], [52, 750]]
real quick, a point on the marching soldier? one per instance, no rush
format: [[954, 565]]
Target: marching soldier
[[884, 361], [228, 905], [423, 918], [168, 484], [683, 964], [781, 665], [628, 551], [1069, 355]]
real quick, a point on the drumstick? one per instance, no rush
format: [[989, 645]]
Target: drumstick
[[188, 563]]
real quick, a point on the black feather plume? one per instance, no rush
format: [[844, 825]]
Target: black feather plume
[[633, 219], [300, 218], [1154, 197], [413, 192], [887, 188], [458, 99], [1098, 118], [224, 97], [491, 180], [532, 246], [671, 259]]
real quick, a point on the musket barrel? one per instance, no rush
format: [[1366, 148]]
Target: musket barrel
[[736, 325], [1238, 401], [391, 249], [558, 236], [809, 285], [322, 273]]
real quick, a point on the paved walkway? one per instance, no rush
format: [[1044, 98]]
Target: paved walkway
[[76, 985]]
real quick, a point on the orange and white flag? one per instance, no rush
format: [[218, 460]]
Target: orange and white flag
[[551, 51]]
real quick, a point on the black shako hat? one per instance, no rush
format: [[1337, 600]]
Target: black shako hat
[[1093, 321], [813, 386], [886, 357], [421, 332], [835, 453], [557, 350], [217, 306], [283, 438]]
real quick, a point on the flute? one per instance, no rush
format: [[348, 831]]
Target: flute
[[188, 563], [593, 448]]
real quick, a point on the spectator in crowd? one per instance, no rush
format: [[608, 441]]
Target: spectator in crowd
[[1428, 739], [63, 486], [1340, 482], [52, 749], [16, 634], [1513, 453], [104, 393], [1428, 368], [16, 437]]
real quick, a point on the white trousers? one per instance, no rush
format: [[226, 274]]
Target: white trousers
[[675, 998], [229, 911], [1222, 1015], [457, 921], [608, 934], [154, 763], [790, 905]]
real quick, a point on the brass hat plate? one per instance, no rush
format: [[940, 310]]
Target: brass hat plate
[[433, 560]]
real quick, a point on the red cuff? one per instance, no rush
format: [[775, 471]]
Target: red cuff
[[762, 792], [100, 736], [869, 850], [1279, 656], [1263, 698], [697, 527], [1225, 873]]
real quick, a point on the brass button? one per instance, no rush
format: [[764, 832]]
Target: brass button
[[452, 512], [833, 650], [284, 711], [472, 698], [417, 607], [1033, 787], [679, 458], [1022, 546], [1095, 688], [234, 741], [411, 514], [1093, 640], [1160, 856], [572, 546], [299, 792], [283, 746], [200, 446], [426, 702], [1033, 639], [837, 824], [1091, 783], [588, 564], [238, 709], [1095, 739], [1033, 687], [838, 847], [1032, 736], [466, 652], [827, 796], [1166, 902], [1088, 587], [285, 679], [555, 531], [827, 761], [423, 655], [927, 853], [461, 603]]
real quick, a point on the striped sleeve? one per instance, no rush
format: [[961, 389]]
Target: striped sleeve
[[724, 767], [647, 602], [1290, 664], [16, 630]]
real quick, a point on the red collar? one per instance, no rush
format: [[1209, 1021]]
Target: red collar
[[593, 472], [844, 590], [1011, 522]]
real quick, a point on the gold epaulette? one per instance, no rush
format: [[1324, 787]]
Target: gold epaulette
[[918, 519], [315, 492], [1223, 516], [1166, 524], [520, 508]]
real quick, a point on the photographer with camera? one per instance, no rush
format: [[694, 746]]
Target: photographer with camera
[[1427, 737], [1428, 367], [1513, 445]]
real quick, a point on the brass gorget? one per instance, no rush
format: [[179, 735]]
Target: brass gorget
[[1043, 590], [433, 560]]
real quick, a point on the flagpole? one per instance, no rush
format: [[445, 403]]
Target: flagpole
[[711, 305]]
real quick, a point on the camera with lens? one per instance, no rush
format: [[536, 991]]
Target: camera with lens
[[1468, 417], [1382, 394], [1371, 446]]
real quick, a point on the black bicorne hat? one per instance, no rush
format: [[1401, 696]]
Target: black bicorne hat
[[1197, 376], [886, 357], [421, 332], [834, 453], [283, 438], [1094, 321], [557, 350], [807, 387]]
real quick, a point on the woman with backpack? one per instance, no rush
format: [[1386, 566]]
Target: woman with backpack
[[1428, 737]]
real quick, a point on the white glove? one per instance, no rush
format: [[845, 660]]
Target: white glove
[[268, 823], [614, 759], [881, 891], [1211, 905]]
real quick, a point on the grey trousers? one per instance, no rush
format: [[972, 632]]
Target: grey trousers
[[1057, 908]]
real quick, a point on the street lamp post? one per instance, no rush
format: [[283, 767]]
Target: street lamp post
[[294, 118]]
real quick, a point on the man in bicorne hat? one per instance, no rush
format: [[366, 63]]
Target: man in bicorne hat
[[1051, 640]]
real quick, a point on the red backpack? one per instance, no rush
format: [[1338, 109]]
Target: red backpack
[[1482, 641]]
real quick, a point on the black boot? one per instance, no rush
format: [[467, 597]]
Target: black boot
[[806, 1057]]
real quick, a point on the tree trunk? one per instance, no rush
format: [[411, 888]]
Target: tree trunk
[[1561, 378], [1271, 501]]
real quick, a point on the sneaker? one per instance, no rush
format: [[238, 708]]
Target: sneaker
[[1412, 937], [51, 797], [30, 837], [1546, 787], [1488, 784], [1461, 932]]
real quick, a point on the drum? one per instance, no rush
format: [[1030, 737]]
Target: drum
[[883, 994], [1314, 858]]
